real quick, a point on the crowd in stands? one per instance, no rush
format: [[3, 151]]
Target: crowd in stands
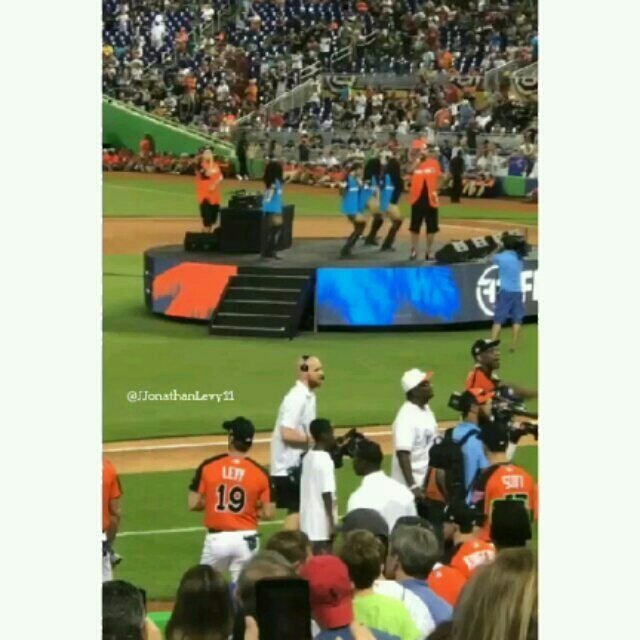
[[165, 57]]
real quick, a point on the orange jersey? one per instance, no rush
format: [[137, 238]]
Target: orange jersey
[[503, 482], [471, 555], [233, 487], [111, 489], [426, 176], [446, 582], [479, 379], [204, 182]]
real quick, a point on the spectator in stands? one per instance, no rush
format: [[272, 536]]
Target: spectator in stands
[[413, 552], [124, 613], [202, 608], [294, 546], [364, 556], [500, 602], [331, 594], [265, 564]]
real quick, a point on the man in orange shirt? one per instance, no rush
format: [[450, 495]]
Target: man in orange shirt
[[501, 480], [233, 491], [208, 181], [468, 551], [111, 493], [425, 183]]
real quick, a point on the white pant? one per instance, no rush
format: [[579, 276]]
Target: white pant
[[107, 569], [228, 550]]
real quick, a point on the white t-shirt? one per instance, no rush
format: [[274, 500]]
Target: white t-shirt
[[318, 477], [297, 411], [384, 494], [414, 430], [417, 609]]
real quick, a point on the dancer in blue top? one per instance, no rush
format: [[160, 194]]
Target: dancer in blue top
[[272, 208], [370, 198], [350, 192], [392, 188]]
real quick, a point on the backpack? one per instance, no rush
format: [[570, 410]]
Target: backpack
[[447, 463]]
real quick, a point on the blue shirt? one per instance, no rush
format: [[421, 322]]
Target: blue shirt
[[440, 610], [351, 197], [472, 454], [510, 271], [345, 634], [366, 191], [274, 205]]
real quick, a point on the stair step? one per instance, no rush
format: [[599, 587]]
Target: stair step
[[263, 307], [261, 320], [258, 293], [269, 281]]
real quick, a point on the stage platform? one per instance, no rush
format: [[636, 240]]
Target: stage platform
[[372, 289]]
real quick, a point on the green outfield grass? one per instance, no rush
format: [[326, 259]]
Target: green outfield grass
[[144, 352], [127, 197], [157, 502]]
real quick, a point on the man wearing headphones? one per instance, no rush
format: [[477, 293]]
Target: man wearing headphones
[[291, 438]]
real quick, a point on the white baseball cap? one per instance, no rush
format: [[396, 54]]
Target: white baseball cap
[[412, 378]]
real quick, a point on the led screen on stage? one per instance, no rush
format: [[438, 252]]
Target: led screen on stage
[[426, 295]]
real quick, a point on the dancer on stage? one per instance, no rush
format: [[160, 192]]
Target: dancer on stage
[[350, 192], [370, 197], [272, 207], [392, 188], [208, 181]]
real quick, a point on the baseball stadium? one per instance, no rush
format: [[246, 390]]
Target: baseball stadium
[[224, 287]]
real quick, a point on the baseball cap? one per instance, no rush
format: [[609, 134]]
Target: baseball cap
[[369, 451], [462, 514], [413, 521], [412, 378], [495, 436], [241, 429], [367, 519], [330, 591], [480, 346]]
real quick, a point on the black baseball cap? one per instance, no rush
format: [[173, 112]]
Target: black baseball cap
[[367, 519], [241, 429], [369, 451], [510, 523], [480, 346], [462, 514], [495, 436]]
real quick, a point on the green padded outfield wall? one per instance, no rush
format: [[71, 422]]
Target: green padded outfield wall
[[125, 127]]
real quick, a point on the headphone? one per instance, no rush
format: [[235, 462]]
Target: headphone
[[304, 366]]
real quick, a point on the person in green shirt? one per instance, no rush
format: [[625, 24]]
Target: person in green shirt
[[363, 554]]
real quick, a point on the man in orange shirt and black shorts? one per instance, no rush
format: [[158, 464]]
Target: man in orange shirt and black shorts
[[111, 493], [425, 183], [208, 181], [233, 491]]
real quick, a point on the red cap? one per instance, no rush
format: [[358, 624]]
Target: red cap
[[330, 591]]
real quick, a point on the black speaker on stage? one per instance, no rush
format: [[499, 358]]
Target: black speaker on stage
[[453, 252], [202, 241], [479, 248], [245, 200]]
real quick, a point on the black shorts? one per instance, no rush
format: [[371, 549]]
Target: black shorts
[[209, 213], [286, 492], [423, 211]]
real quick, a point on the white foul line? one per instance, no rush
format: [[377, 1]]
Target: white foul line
[[192, 445]]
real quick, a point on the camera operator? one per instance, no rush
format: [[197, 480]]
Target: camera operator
[[414, 430], [291, 438], [501, 480], [377, 490], [509, 304], [486, 354]]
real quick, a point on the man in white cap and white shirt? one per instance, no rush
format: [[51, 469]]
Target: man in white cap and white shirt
[[414, 430]]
